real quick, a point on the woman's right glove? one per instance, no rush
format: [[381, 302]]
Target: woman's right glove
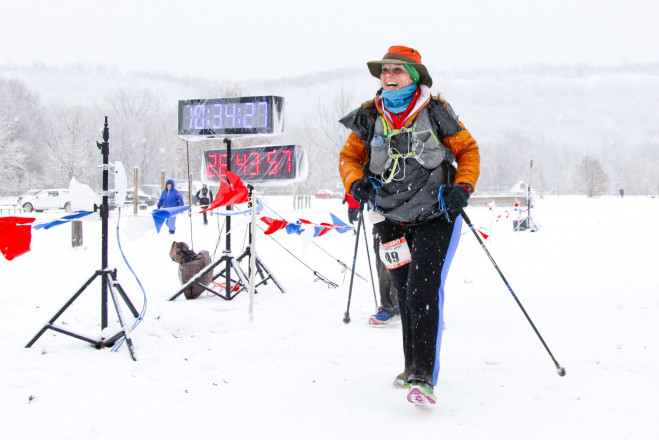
[[362, 190]]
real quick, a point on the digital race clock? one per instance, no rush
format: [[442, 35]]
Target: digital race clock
[[277, 164], [230, 116]]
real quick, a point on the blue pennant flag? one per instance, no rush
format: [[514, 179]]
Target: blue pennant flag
[[343, 227], [61, 221], [162, 214], [294, 228]]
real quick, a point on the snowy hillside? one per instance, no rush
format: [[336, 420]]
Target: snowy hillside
[[297, 371]]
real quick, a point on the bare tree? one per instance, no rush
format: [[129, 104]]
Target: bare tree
[[12, 157], [143, 133], [325, 137], [71, 142], [20, 137], [591, 178]]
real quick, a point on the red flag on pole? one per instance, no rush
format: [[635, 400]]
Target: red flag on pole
[[229, 193]]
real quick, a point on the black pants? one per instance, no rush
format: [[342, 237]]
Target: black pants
[[420, 286], [204, 213]]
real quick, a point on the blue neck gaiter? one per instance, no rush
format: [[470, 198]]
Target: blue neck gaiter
[[396, 101]]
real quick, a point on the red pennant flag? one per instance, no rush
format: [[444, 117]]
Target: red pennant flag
[[229, 193], [15, 236], [328, 227], [483, 234], [273, 225]]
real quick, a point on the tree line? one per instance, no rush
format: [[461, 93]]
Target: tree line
[[589, 130]]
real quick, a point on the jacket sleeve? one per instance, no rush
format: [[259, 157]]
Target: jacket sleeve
[[466, 153], [352, 159], [160, 200], [179, 199]]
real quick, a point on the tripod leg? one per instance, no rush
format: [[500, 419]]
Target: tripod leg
[[62, 310], [192, 280], [263, 267], [114, 283], [124, 329], [241, 274]]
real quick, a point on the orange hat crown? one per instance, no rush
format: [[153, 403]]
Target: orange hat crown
[[401, 55]]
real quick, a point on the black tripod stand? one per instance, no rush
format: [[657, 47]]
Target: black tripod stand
[[108, 276], [230, 262], [261, 270]]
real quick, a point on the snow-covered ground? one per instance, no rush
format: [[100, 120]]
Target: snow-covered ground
[[297, 371]]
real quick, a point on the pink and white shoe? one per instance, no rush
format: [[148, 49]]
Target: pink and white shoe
[[421, 393]]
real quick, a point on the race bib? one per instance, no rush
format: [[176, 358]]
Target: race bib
[[395, 254]]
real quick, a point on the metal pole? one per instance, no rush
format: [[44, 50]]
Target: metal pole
[[252, 254], [346, 316], [105, 151], [528, 192], [228, 225], [560, 370], [136, 185], [370, 266]]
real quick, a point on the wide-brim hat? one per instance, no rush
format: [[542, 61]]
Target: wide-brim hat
[[401, 55]]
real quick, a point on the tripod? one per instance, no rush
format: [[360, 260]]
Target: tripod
[[261, 269], [108, 276], [230, 262]]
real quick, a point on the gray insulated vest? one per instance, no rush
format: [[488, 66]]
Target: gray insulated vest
[[411, 163]]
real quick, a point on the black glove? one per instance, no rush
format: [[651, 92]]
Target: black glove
[[353, 215], [361, 190], [456, 197]]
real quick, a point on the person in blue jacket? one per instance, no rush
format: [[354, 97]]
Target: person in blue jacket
[[170, 198]]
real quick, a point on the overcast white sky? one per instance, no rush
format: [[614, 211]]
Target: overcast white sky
[[248, 39]]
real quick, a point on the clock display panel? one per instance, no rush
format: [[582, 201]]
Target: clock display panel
[[230, 116], [254, 164]]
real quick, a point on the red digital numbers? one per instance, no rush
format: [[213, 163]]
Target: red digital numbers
[[255, 162], [272, 162], [289, 160], [260, 163]]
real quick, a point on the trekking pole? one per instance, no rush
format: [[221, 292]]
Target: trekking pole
[[560, 370], [346, 316], [370, 268]]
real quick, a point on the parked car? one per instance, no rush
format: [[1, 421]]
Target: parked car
[[30, 193], [327, 194], [47, 199], [142, 198]]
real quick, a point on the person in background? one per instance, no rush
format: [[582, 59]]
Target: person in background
[[388, 311], [398, 158], [170, 198], [205, 197]]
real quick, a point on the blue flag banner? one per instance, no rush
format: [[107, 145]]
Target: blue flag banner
[[294, 228], [342, 226], [61, 221], [162, 214]]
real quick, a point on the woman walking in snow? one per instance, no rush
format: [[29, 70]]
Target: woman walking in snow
[[170, 198], [398, 159]]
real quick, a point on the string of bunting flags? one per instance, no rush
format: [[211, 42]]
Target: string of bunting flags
[[16, 232]]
